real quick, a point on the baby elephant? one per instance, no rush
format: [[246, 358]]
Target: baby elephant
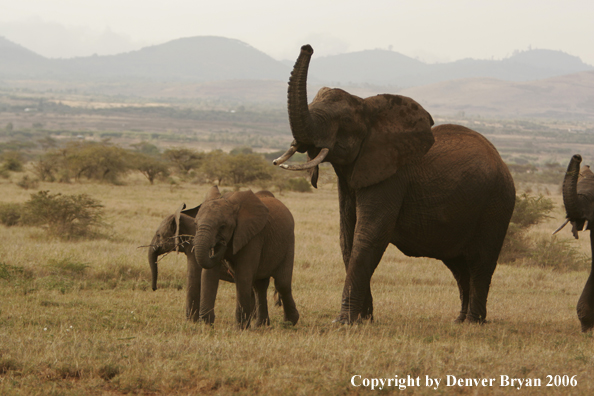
[[254, 233], [175, 233]]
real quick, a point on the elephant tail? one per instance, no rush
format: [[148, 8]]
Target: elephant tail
[[277, 302]]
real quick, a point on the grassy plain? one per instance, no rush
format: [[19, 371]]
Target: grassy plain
[[80, 317]]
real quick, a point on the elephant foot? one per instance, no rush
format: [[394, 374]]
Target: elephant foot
[[293, 318], [472, 319], [263, 322], [586, 317], [461, 318], [347, 319], [587, 324]]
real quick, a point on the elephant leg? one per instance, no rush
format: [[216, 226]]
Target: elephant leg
[[367, 311], [244, 309], [356, 295], [194, 289], [245, 268], [480, 274], [459, 269], [585, 305], [208, 295], [371, 236], [261, 288], [348, 221], [283, 286]]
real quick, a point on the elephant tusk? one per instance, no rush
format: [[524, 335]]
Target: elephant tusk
[[311, 164], [288, 154], [585, 226], [560, 228]]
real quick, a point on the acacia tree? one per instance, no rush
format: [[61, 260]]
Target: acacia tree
[[246, 168], [184, 159], [149, 166], [98, 161], [215, 166]]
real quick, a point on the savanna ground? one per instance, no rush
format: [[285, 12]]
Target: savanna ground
[[81, 318]]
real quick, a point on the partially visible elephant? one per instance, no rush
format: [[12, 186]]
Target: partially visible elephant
[[175, 233], [440, 192], [578, 197], [254, 233]]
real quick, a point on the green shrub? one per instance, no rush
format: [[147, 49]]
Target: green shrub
[[299, 184], [12, 161], [67, 267], [27, 183], [528, 211], [558, 254], [64, 216], [10, 213], [549, 252], [9, 272]]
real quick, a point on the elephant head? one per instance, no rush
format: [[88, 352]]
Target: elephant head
[[368, 138], [225, 224], [167, 238], [578, 197]]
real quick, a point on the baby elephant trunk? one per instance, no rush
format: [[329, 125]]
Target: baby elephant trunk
[[152, 258], [208, 254]]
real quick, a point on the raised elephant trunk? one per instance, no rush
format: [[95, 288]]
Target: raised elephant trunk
[[152, 258], [302, 124], [570, 196]]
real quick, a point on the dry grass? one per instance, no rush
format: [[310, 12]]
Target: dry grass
[[80, 318]]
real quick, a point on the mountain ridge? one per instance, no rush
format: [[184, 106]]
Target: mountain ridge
[[214, 58]]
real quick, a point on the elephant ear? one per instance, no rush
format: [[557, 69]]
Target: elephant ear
[[252, 217], [399, 133], [213, 193], [177, 216], [585, 184], [192, 212]]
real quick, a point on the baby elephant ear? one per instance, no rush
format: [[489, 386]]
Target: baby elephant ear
[[252, 217], [399, 133], [213, 193], [177, 217]]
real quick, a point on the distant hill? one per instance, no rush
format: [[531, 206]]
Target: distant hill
[[381, 67], [208, 58], [17, 61], [194, 59], [568, 96], [533, 83]]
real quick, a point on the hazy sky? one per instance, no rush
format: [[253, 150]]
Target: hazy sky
[[432, 30]]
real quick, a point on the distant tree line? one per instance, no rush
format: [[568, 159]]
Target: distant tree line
[[108, 163]]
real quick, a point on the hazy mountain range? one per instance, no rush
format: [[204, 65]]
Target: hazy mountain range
[[534, 82], [204, 59]]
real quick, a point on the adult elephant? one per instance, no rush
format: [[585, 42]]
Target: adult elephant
[[443, 192], [175, 233], [578, 197]]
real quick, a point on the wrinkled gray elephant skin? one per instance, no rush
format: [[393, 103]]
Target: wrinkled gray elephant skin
[[441, 192], [578, 197], [254, 233], [174, 234]]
